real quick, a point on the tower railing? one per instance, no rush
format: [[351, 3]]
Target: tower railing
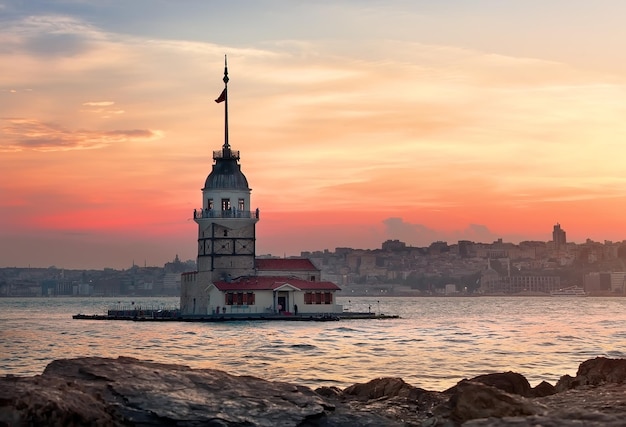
[[226, 154], [230, 213]]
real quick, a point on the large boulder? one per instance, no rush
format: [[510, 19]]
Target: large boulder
[[472, 399], [510, 382], [603, 406], [392, 398], [600, 370], [103, 392], [543, 389]]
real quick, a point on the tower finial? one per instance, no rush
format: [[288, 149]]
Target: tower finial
[[225, 71], [224, 98]]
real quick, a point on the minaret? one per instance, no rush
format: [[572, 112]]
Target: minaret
[[226, 223]]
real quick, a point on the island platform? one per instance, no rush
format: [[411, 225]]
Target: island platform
[[168, 315]]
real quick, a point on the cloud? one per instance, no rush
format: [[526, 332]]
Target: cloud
[[98, 103], [421, 235], [51, 45], [413, 234], [33, 26], [476, 233], [31, 134], [105, 113]]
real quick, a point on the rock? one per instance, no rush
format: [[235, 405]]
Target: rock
[[129, 392], [596, 371], [509, 382], [383, 387], [98, 391], [473, 399], [586, 406], [543, 389], [596, 397], [601, 370], [392, 398], [564, 383], [329, 391]]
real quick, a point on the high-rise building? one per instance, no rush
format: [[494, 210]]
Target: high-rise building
[[558, 236]]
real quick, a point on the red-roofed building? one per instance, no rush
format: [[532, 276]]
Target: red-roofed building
[[230, 279], [299, 267], [275, 294]]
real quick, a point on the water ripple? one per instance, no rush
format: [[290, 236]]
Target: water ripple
[[437, 342]]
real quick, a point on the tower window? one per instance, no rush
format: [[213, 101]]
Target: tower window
[[242, 204], [210, 204], [225, 204]]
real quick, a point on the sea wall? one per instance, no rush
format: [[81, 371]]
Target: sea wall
[[95, 391]]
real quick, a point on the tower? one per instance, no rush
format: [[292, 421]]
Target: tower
[[558, 236], [226, 224]]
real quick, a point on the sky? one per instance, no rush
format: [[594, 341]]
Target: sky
[[357, 122]]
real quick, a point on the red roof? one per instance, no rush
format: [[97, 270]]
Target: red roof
[[261, 283], [285, 264]]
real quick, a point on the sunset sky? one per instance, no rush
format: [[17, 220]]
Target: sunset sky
[[357, 122]]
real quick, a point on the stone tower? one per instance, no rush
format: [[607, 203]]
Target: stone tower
[[226, 225]]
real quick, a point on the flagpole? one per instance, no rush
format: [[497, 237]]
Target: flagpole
[[226, 146]]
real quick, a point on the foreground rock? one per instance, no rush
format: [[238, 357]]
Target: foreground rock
[[126, 391], [595, 397], [130, 392]]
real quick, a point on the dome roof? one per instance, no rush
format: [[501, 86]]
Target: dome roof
[[226, 174]]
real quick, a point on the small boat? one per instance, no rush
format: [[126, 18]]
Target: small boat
[[572, 291]]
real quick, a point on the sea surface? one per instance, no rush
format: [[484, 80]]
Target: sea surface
[[436, 342]]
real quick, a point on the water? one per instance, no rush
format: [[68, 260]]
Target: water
[[436, 343]]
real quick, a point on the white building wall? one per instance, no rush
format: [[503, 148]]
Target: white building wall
[[230, 194], [264, 303]]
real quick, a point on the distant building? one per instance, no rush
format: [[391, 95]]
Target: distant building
[[393, 245], [605, 282], [495, 284], [558, 237], [171, 282], [465, 248]]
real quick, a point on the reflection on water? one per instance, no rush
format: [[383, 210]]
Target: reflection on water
[[437, 342]]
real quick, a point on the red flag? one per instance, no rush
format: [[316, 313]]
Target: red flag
[[222, 97]]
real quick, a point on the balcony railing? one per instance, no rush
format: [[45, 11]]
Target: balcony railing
[[231, 213], [226, 154]]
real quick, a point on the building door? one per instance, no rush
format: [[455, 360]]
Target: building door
[[283, 301]]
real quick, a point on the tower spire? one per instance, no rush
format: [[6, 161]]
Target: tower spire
[[224, 98], [226, 145]]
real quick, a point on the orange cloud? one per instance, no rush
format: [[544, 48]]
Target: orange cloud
[[30, 134]]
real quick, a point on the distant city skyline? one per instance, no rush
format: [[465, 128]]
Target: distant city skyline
[[418, 121], [176, 258]]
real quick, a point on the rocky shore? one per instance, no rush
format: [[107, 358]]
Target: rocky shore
[[95, 391]]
